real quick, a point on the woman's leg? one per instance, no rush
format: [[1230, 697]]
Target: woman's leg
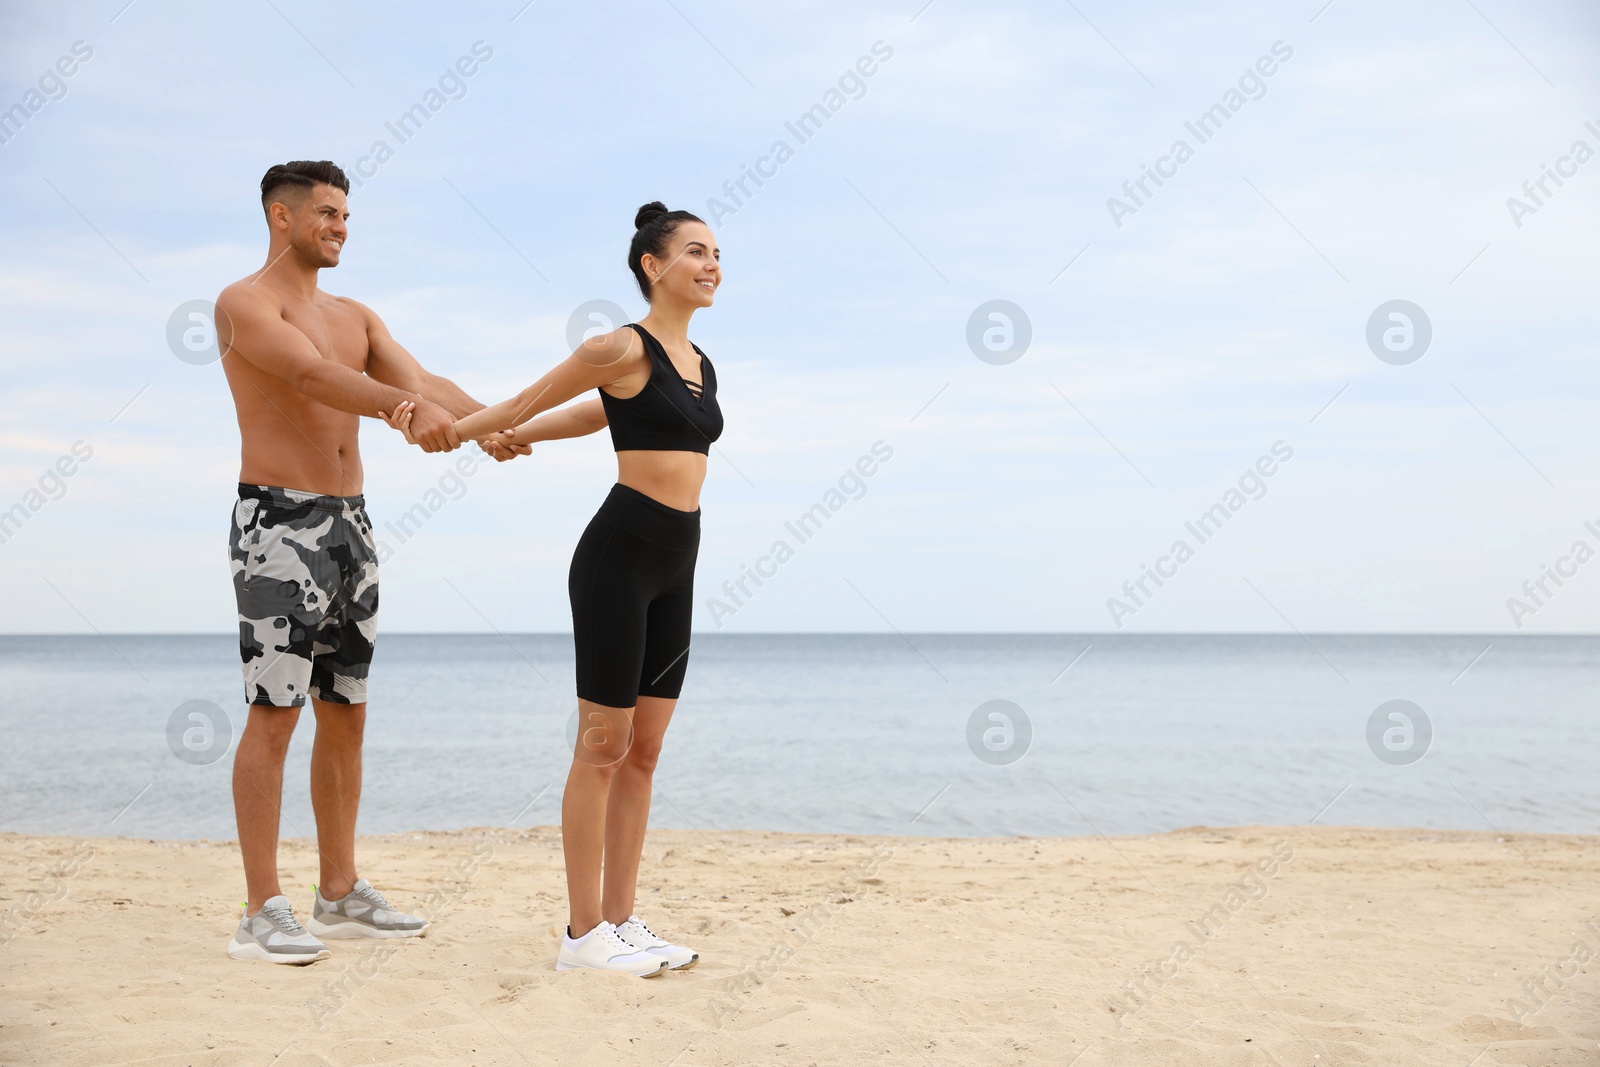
[[628, 810], [666, 658], [608, 629], [632, 598], [602, 747]]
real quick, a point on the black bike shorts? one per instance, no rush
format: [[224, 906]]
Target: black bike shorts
[[632, 589]]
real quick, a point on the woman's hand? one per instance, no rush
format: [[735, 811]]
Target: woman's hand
[[503, 446], [401, 419]]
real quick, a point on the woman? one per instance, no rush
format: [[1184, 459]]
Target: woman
[[632, 576]]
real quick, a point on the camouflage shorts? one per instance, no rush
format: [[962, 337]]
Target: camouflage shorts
[[305, 574]]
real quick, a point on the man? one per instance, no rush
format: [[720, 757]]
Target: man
[[303, 367]]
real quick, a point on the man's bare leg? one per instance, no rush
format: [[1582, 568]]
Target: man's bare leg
[[258, 797], [336, 792]]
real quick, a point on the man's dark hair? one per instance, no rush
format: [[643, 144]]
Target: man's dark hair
[[653, 228], [301, 174]]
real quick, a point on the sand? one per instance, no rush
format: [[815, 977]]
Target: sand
[[1295, 945]]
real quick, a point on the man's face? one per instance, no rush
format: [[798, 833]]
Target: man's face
[[318, 226]]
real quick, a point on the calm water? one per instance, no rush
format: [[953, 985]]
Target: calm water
[[852, 733]]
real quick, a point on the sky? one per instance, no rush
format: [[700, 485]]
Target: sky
[[1216, 343]]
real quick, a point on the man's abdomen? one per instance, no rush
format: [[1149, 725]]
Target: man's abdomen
[[313, 458]]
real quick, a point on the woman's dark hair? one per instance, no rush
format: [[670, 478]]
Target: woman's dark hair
[[653, 228], [301, 175]]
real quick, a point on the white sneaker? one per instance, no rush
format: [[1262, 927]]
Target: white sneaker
[[601, 949], [640, 936], [273, 934]]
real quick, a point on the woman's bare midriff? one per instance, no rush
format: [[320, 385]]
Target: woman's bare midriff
[[671, 478]]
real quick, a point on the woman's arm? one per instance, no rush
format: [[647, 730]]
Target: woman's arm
[[389, 362], [579, 420], [601, 360]]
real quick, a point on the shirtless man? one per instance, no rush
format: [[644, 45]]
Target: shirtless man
[[303, 367]]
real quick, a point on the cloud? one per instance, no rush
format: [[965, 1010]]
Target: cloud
[[976, 167]]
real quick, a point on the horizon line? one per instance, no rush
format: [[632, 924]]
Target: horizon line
[[1493, 634]]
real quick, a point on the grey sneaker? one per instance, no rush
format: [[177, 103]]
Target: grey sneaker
[[274, 935], [362, 913]]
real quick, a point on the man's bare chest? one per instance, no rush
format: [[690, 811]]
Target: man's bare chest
[[338, 333]]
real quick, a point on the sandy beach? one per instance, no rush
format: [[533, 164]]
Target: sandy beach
[[1294, 945]]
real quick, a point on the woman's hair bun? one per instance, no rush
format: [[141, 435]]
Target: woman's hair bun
[[652, 239], [654, 209]]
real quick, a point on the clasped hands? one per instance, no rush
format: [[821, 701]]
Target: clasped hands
[[433, 430]]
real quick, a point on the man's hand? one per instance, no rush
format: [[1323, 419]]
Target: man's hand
[[433, 428]]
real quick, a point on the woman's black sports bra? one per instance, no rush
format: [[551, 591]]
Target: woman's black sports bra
[[670, 414]]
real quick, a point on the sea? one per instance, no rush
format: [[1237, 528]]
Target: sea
[[913, 734]]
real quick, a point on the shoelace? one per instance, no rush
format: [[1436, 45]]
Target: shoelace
[[373, 897], [283, 916], [610, 936], [651, 934]]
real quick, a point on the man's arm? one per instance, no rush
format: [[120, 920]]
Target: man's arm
[[390, 363], [251, 329]]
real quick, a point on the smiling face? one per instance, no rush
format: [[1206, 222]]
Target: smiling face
[[690, 271], [313, 222]]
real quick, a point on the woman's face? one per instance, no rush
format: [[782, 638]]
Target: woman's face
[[690, 271]]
